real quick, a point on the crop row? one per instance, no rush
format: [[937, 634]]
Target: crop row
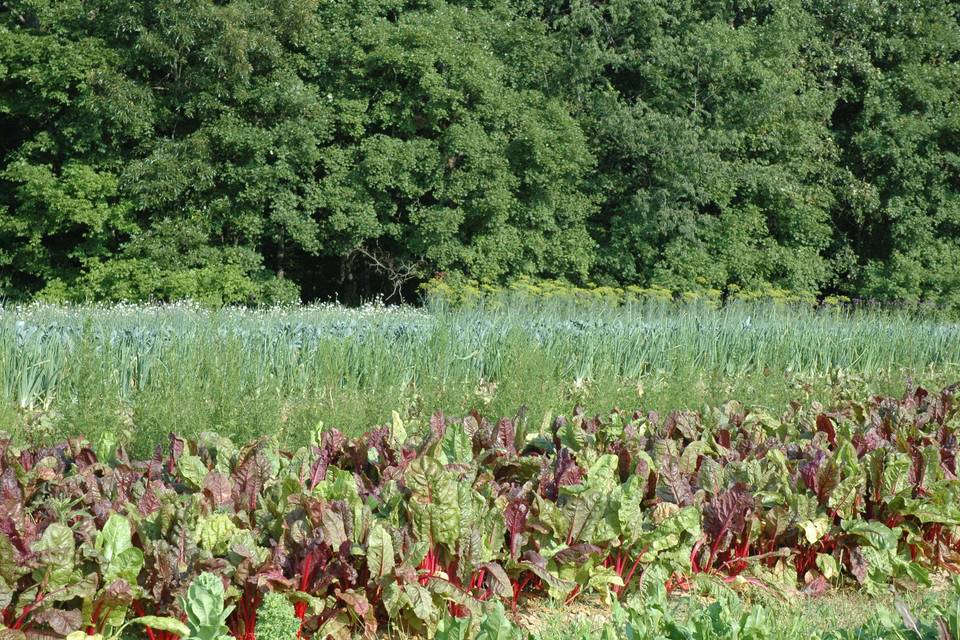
[[415, 531], [292, 352]]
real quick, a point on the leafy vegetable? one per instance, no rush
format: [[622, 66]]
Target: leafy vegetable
[[276, 619], [205, 610], [439, 533]]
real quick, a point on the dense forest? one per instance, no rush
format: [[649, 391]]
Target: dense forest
[[260, 150]]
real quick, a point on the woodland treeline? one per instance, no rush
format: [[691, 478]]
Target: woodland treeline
[[259, 150]]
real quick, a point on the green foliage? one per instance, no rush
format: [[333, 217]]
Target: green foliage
[[897, 133], [120, 563], [214, 532], [204, 607], [129, 375], [276, 619], [492, 624], [458, 291], [254, 152], [728, 617], [160, 623], [700, 525], [216, 149], [710, 128]]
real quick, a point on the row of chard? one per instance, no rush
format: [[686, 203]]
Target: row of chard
[[407, 531]]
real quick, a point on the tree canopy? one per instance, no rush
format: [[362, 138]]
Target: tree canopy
[[243, 151]]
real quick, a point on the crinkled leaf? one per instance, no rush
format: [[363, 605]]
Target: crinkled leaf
[[456, 447], [332, 527], [858, 564], [394, 599], [602, 578], [218, 489], [576, 554], [433, 506], [827, 565], [421, 602], [338, 627], [813, 530], [537, 565], [630, 511], [515, 517], [583, 512], [380, 560], [10, 569], [603, 475], [357, 602], [673, 528], [727, 512], [572, 436], [452, 628], [214, 533], [506, 436], [193, 470], [874, 533], [6, 594], [495, 625], [498, 579], [565, 472], [56, 553], [398, 434], [673, 485], [844, 499], [60, 620]]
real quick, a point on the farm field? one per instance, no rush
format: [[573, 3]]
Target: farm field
[[479, 320], [512, 469], [138, 373], [693, 526]]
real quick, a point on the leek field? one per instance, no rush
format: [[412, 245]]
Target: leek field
[[137, 372]]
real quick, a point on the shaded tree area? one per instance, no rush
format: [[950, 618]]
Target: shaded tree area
[[256, 151]]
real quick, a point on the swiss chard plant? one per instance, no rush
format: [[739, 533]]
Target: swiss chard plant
[[431, 531]]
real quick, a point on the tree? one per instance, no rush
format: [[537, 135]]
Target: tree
[[897, 75], [62, 110], [240, 151], [219, 147], [711, 131]]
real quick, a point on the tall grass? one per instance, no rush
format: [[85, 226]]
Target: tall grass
[[149, 370]]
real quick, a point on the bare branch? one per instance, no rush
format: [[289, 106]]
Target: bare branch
[[398, 273]]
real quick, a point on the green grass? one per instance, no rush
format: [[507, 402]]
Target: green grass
[[152, 370]]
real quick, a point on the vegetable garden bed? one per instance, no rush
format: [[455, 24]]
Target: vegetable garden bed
[[413, 533]]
